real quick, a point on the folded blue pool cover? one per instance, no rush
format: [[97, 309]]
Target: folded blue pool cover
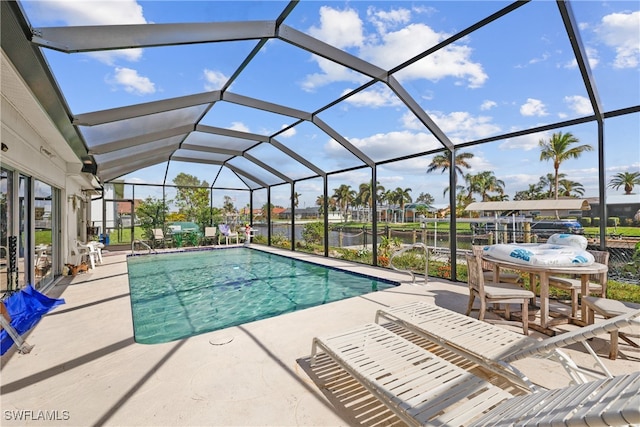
[[25, 307]]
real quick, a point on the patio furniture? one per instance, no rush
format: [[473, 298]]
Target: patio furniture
[[418, 386], [225, 231], [84, 250], [495, 348], [597, 282], [210, 233], [543, 272], [609, 308], [495, 292], [487, 269], [607, 402], [423, 389], [158, 236]]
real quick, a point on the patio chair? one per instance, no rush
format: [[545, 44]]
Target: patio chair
[[495, 348], [574, 285], [423, 389], [210, 233], [225, 231], [609, 308], [82, 251], [158, 236], [487, 269], [496, 293]]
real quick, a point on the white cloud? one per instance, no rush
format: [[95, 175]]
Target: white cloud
[[387, 145], [542, 58], [387, 49], [620, 31], [533, 107], [487, 105], [462, 126], [525, 143], [288, 133], [579, 104], [451, 61], [339, 28], [331, 72], [592, 56], [76, 13], [378, 96], [384, 20], [239, 126], [214, 80], [132, 82]]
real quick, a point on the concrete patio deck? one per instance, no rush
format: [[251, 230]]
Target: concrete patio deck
[[86, 369]]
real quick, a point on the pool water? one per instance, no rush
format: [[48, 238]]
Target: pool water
[[178, 295]]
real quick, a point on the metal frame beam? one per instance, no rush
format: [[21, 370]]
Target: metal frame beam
[[94, 38]]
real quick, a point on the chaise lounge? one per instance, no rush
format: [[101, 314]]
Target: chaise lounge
[[496, 348], [423, 389]]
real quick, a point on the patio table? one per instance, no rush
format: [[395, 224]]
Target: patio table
[[544, 272]]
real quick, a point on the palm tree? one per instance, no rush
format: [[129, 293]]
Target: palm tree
[[534, 192], [548, 180], [441, 161], [570, 188], [558, 149], [482, 183], [625, 179], [344, 196], [320, 203], [402, 196], [365, 194], [295, 198]]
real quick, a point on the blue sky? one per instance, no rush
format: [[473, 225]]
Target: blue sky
[[513, 74]]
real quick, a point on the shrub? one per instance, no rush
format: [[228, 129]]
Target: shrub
[[613, 221], [585, 222], [596, 222], [313, 233]]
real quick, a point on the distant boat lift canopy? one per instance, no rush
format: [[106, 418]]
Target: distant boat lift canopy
[[530, 205]]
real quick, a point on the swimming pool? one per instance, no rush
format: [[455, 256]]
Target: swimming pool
[[177, 295]]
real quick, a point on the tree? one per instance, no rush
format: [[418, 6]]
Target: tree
[[548, 181], [192, 199], [365, 195], [266, 208], [401, 196], [625, 179], [295, 199], [560, 148], [425, 198], [570, 188], [344, 196], [484, 182], [441, 161], [534, 192], [151, 213]]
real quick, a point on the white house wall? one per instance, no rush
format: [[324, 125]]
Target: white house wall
[[29, 136]]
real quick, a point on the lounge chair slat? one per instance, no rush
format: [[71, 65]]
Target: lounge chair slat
[[494, 347], [387, 365], [572, 405]]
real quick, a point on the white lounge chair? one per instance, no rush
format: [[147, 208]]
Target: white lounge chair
[[423, 389], [607, 402], [495, 348], [413, 382]]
